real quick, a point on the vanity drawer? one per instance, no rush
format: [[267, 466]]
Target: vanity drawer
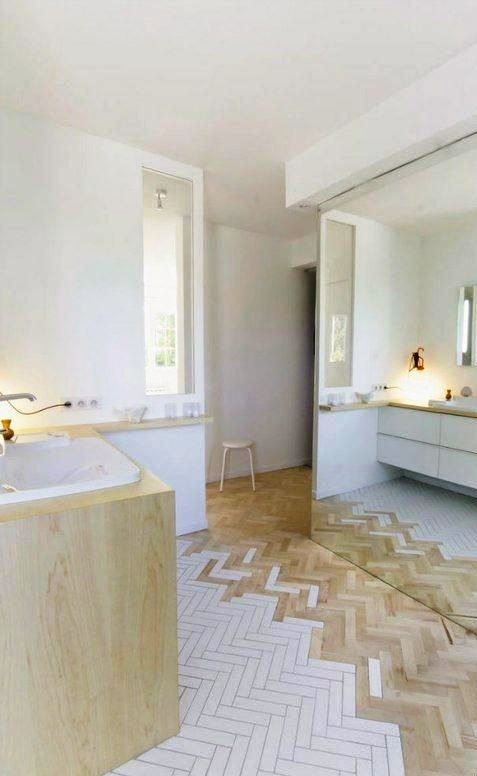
[[408, 454], [459, 433], [458, 466], [410, 424]]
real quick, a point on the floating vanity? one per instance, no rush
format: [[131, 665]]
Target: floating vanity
[[88, 622], [359, 443], [430, 441]]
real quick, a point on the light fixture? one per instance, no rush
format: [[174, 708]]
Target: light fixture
[[161, 196], [417, 360]]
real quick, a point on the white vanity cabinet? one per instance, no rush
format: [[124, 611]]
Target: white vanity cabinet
[[459, 433], [410, 424], [435, 444], [407, 454]]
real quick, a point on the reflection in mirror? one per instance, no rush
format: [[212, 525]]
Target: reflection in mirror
[[167, 236], [338, 303], [467, 327], [395, 479]]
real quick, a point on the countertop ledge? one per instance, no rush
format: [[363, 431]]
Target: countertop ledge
[[358, 405], [403, 405], [82, 429]]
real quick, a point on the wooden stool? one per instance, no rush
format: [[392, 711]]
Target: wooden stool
[[237, 444]]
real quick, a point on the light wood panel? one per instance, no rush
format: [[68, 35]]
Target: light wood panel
[[428, 663], [116, 425], [462, 412], [88, 644], [350, 406]]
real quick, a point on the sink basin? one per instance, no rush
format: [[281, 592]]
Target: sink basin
[[59, 466], [457, 403]]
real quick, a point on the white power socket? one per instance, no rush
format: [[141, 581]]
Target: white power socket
[[83, 402], [378, 386]]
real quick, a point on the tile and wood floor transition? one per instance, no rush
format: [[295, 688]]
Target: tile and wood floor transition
[[295, 662], [420, 538]]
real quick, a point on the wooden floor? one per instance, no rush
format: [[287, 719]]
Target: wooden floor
[[416, 567], [428, 663]]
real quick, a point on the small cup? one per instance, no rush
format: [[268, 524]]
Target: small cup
[[171, 410]]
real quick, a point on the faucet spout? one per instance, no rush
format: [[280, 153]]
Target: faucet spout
[[14, 396]]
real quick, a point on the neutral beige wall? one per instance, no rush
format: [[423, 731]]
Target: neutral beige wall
[[258, 350], [71, 319], [449, 260]]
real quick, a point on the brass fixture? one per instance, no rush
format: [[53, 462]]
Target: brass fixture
[[417, 360], [6, 430]]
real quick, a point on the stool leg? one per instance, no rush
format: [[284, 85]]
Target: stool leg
[[251, 466], [226, 449]]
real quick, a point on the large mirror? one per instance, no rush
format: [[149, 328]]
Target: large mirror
[[395, 476]]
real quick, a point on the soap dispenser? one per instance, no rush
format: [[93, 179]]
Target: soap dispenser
[[448, 394]]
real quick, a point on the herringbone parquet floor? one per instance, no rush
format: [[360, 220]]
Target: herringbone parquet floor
[[381, 543], [294, 661]]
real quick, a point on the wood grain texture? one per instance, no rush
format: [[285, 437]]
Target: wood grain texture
[[417, 567], [428, 663], [350, 406], [88, 642], [462, 412], [83, 429]]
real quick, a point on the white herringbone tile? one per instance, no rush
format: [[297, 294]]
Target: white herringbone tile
[[252, 701]]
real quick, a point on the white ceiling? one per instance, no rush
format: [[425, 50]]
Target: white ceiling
[[234, 86], [425, 201]]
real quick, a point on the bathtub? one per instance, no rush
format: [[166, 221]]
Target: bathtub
[[40, 466]]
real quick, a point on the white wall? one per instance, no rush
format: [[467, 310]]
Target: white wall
[[259, 373], [433, 110], [71, 321], [386, 302], [449, 260], [71, 313], [176, 456], [304, 250], [386, 327], [347, 453]]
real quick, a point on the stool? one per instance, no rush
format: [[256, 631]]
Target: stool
[[237, 444]]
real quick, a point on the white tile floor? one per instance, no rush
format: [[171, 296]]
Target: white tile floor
[[253, 703], [438, 514]]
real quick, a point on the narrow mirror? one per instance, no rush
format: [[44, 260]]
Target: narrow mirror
[[466, 327]]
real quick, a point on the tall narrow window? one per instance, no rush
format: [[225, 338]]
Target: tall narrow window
[[167, 221]]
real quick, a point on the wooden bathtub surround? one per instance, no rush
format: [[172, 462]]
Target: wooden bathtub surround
[[88, 643]]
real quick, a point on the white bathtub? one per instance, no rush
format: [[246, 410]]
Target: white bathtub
[[41, 467]]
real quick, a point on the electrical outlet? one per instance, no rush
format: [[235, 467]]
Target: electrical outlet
[[83, 402]]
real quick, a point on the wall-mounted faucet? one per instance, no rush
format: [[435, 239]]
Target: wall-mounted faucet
[[15, 396]]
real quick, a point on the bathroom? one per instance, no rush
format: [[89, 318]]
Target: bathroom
[[238, 362], [396, 426]]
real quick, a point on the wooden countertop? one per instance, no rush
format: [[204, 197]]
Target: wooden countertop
[[357, 405], [85, 429], [440, 410], [147, 485], [404, 405]]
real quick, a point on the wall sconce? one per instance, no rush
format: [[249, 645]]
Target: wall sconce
[[417, 360]]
